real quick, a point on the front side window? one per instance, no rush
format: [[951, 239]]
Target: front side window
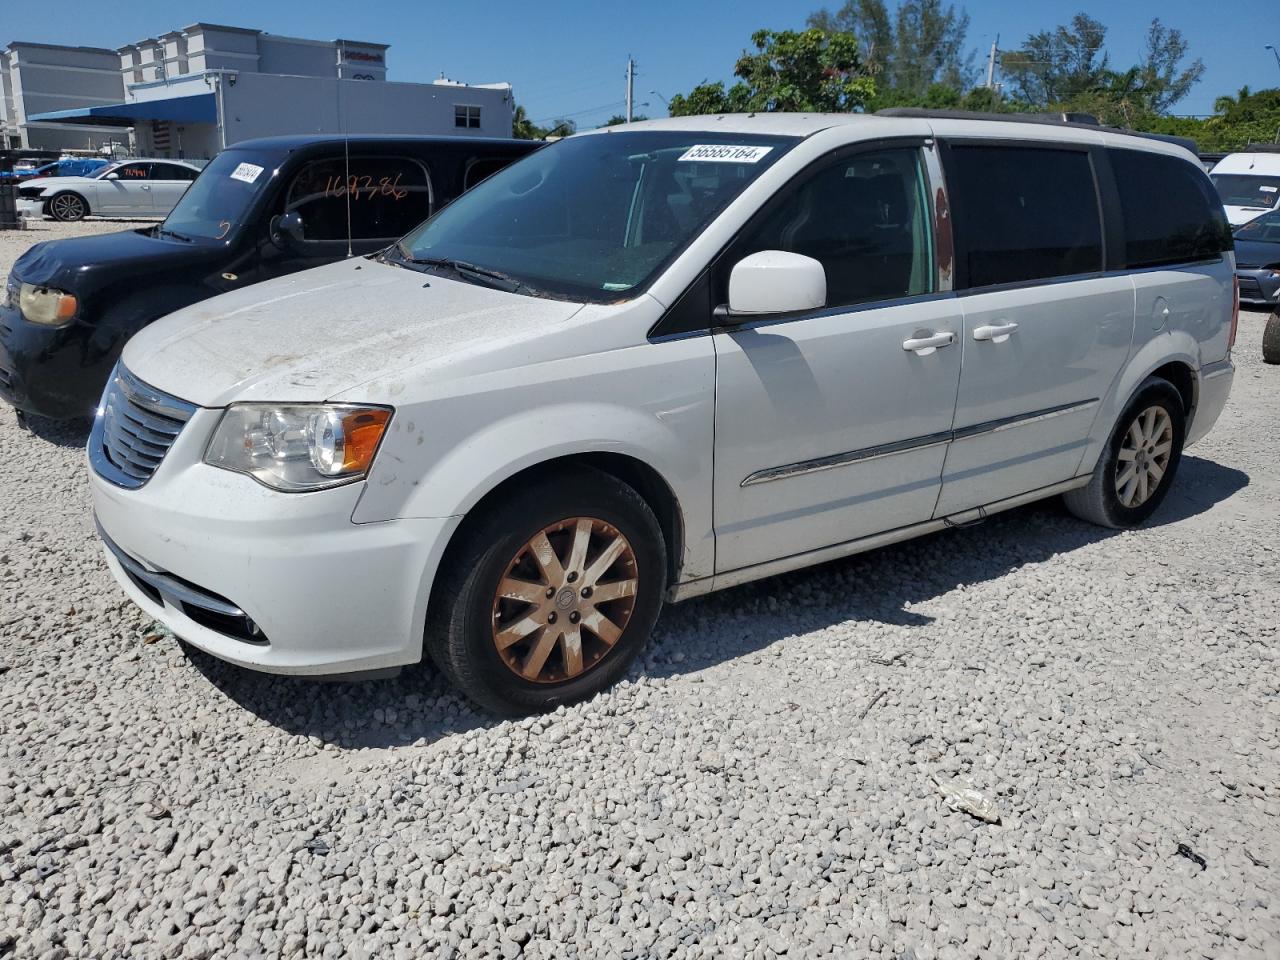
[[385, 197], [1170, 212], [1248, 190], [1023, 214], [133, 171], [595, 217], [865, 218], [466, 116]]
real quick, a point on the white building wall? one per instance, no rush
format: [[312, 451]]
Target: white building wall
[[44, 78], [262, 105]]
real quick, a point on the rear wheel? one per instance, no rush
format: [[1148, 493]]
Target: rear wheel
[[1138, 465], [550, 595], [68, 207], [1271, 339]]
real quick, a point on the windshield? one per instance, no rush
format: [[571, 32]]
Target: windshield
[[1247, 190], [596, 217], [99, 174], [216, 203], [1266, 228]]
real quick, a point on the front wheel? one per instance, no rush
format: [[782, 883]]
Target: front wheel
[[550, 595], [1137, 467], [68, 207], [1271, 339]]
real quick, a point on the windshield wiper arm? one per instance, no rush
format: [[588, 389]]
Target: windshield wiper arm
[[491, 278], [165, 231]]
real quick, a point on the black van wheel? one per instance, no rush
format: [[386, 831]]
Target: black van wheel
[[1271, 339], [68, 207], [550, 595], [1138, 464]]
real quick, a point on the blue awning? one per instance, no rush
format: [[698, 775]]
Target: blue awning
[[198, 108]]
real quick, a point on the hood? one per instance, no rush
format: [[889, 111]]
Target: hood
[[312, 335], [80, 263], [56, 181], [1256, 253]]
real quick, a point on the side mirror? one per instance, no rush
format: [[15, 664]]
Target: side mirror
[[287, 230], [113, 176], [775, 281]]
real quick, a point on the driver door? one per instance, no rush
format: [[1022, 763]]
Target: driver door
[[833, 424], [126, 191]]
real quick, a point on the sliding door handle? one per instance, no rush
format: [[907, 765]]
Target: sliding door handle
[[995, 332], [923, 346]]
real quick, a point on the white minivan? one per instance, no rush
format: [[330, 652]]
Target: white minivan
[[654, 361], [1248, 183]]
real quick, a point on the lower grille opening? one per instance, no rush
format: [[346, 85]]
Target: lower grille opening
[[145, 587], [239, 628]]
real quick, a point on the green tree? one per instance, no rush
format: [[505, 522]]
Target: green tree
[[1160, 75], [618, 118], [709, 98], [522, 128], [1057, 66], [922, 44]]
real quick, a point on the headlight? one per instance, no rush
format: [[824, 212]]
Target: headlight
[[53, 308], [298, 447]]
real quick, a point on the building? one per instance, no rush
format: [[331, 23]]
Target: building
[[190, 92]]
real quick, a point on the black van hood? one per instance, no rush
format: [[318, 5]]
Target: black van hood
[[1256, 253], [82, 264]]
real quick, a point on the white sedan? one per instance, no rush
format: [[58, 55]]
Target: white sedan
[[132, 188]]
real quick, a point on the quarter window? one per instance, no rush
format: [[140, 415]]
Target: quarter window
[[1170, 210], [865, 218], [466, 116], [1023, 213], [385, 196]]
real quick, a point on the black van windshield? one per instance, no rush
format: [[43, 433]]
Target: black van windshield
[[214, 206], [592, 218]]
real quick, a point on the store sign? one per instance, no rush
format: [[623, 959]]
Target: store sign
[[363, 56]]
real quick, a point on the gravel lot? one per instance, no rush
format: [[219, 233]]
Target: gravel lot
[[764, 784]]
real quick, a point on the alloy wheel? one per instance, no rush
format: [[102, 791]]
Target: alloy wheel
[[68, 207], [565, 600], [1144, 456]]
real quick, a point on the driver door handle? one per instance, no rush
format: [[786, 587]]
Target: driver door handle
[[923, 346], [995, 332]]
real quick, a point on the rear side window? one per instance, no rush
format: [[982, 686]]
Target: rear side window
[[1024, 213], [171, 171], [387, 197], [1171, 212]]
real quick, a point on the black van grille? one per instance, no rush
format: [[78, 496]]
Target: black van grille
[[134, 428]]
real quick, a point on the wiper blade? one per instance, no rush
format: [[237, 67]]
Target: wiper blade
[[165, 232], [491, 278]]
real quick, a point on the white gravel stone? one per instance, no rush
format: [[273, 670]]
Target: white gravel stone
[[1114, 694]]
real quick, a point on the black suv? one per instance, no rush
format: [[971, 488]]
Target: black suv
[[260, 209]]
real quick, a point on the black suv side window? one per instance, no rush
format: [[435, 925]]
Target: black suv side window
[[1023, 213], [387, 197], [1170, 210]]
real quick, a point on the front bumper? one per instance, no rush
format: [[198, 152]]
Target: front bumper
[[30, 209], [1259, 287], [324, 595], [1211, 396], [55, 372]]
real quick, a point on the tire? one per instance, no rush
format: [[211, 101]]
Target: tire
[[1155, 409], [1271, 339], [533, 672], [68, 207]]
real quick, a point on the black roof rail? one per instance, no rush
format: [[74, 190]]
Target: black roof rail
[[1084, 121]]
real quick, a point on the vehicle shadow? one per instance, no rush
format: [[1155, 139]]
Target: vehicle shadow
[[60, 433], [874, 587]]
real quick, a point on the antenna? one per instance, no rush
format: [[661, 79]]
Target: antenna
[[346, 145]]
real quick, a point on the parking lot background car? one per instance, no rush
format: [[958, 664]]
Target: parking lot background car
[[658, 361], [1248, 183], [64, 167], [132, 188], [262, 209], [1258, 260]]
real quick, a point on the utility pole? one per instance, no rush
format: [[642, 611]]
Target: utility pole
[[631, 86], [991, 63]]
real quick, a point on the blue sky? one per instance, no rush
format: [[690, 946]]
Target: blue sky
[[566, 57]]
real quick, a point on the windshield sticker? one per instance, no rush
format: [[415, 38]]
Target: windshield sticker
[[614, 287], [723, 153], [1267, 189], [248, 172]]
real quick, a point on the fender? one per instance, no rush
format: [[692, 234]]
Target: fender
[[652, 402], [1172, 346]]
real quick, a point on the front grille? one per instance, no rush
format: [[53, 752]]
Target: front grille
[[134, 428], [1250, 285]]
